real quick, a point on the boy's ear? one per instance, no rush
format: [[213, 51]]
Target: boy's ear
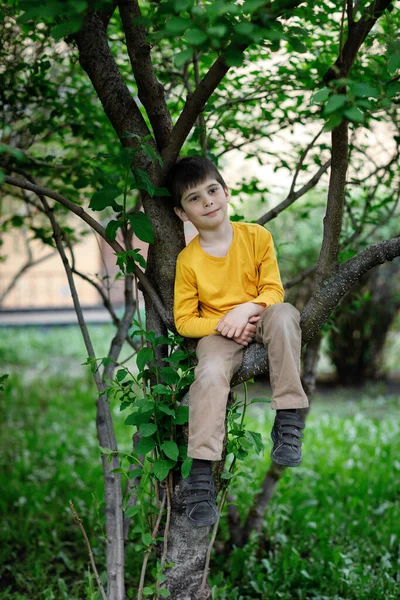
[[227, 194], [181, 214]]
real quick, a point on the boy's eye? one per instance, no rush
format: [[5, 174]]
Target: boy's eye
[[213, 190], [192, 198]]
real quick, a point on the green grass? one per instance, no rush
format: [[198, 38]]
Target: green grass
[[331, 531]]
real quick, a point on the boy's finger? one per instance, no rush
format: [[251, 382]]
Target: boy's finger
[[254, 319]]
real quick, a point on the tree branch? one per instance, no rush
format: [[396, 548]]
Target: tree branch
[[196, 102], [357, 33], [334, 209], [97, 60], [80, 212], [328, 294], [150, 91], [293, 196], [105, 431], [28, 265], [107, 304]]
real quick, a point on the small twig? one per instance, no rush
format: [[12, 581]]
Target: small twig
[[211, 544], [341, 32], [166, 531], [274, 212], [302, 159], [95, 225], [96, 574], [146, 556]]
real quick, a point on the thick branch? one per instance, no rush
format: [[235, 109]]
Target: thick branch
[[323, 301], [78, 210], [327, 296], [196, 102], [334, 210], [97, 60], [150, 91], [357, 32]]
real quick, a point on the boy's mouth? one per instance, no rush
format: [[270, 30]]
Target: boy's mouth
[[212, 213]]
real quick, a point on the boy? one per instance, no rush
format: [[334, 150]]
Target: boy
[[228, 292]]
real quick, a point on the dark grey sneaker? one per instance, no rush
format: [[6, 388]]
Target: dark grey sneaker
[[286, 435], [201, 508]]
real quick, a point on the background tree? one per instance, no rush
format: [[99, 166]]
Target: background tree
[[215, 75]]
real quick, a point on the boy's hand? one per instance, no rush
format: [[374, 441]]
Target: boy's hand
[[249, 332], [232, 324]]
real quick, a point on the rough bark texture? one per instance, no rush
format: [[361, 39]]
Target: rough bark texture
[[96, 59], [187, 549], [334, 209], [150, 90]]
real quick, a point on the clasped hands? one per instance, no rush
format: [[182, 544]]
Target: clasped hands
[[239, 324]]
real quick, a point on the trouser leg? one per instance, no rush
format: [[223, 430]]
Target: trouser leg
[[218, 359], [279, 330]]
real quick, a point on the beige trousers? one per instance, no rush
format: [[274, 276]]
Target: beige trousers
[[220, 357]]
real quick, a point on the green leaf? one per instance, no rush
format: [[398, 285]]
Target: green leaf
[[164, 593], [335, 102], [217, 30], [144, 356], [182, 415], [257, 400], [165, 409], [171, 450], [177, 356], [244, 28], [169, 375], [112, 228], [183, 57], [103, 198], [147, 539], [354, 114], [148, 590], [3, 378], [66, 28], [177, 25], [131, 511], [297, 45], [393, 63], [182, 5], [320, 96], [145, 445], [186, 467], [233, 57], [196, 36], [159, 388], [161, 468], [364, 90], [256, 438], [121, 374], [142, 227], [147, 429]]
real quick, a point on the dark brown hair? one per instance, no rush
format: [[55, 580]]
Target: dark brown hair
[[188, 172]]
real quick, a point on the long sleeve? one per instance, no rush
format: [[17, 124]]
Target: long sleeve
[[270, 289], [186, 305]]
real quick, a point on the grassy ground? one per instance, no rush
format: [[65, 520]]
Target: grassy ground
[[332, 530]]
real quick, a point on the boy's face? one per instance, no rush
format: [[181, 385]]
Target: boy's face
[[205, 205]]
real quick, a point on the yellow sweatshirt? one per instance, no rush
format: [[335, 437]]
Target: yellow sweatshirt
[[207, 287]]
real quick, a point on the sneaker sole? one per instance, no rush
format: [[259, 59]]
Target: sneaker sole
[[204, 522], [284, 463]]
